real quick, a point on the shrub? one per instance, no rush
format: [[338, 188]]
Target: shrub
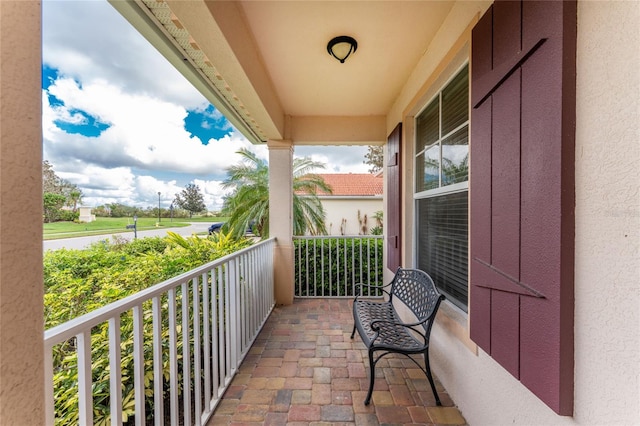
[[318, 272]]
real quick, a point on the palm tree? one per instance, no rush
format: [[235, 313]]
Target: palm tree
[[74, 198], [248, 205]]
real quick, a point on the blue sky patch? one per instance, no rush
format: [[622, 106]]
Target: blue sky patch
[[49, 75], [80, 122], [83, 124], [54, 101], [206, 124]]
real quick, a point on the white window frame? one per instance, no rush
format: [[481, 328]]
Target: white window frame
[[441, 190]]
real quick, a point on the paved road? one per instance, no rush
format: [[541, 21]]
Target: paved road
[[83, 242]]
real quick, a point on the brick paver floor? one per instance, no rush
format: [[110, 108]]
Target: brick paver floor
[[304, 369]]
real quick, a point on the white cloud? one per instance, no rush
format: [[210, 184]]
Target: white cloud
[[110, 72], [90, 40], [337, 159], [145, 132], [213, 193]]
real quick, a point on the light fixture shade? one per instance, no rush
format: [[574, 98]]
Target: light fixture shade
[[341, 47]]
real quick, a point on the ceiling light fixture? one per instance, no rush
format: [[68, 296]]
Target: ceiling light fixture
[[341, 47]]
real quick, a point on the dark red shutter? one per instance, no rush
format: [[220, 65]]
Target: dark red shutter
[[394, 197], [522, 193]]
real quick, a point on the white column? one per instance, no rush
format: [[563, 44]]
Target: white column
[[21, 284], [281, 217]]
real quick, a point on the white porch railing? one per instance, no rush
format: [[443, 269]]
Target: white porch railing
[[331, 266], [210, 317]]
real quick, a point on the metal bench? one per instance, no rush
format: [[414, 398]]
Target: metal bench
[[381, 328]]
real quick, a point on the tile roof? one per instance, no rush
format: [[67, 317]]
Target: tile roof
[[353, 184]]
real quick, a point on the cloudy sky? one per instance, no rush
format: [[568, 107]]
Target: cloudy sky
[[123, 125]]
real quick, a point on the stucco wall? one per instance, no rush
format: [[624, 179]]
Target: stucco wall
[[21, 306], [607, 264], [347, 208]]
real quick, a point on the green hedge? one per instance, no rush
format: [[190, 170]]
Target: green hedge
[[332, 266]]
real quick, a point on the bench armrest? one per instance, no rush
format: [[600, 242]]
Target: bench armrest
[[375, 326]]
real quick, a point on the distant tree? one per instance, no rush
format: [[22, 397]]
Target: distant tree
[[50, 181], [190, 199], [249, 202], [74, 198], [455, 172], [52, 204], [375, 158], [120, 210], [53, 184], [101, 211]]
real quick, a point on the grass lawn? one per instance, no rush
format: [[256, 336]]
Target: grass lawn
[[108, 225]]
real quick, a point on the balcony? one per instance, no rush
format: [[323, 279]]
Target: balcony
[[216, 333]]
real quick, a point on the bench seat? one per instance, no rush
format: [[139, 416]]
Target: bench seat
[[390, 335]]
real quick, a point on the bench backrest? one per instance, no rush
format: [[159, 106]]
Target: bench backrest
[[415, 289]]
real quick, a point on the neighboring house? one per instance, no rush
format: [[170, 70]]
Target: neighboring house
[[355, 196], [510, 126]]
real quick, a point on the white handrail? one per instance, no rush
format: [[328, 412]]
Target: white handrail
[[214, 311]]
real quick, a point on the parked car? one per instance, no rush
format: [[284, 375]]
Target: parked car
[[215, 227]]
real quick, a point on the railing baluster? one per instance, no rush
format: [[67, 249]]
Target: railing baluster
[[85, 402], [369, 257], [298, 259], [206, 339], [158, 388], [252, 285], [330, 271], [306, 260], [234, 315], [197, 369], [315, 272], [186, 355], [361, 261], [322, 266], [344, 261], [245, 283], [225, 366], [376, 257], [115, 375], [173, 359], [353, 264], [50, 412], [138, 362], [215, 334]]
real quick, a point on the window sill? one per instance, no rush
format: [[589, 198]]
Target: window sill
[[455, 322]]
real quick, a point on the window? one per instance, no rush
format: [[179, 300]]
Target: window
[[441, 188]]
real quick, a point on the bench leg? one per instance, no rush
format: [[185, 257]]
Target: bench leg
[[353, 333], [372, 378], [430, 377]]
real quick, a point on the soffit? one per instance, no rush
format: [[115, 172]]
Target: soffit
[[267, 60]]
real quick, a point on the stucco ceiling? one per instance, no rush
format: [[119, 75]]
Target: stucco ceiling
[[265, 64], [292, 38]]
